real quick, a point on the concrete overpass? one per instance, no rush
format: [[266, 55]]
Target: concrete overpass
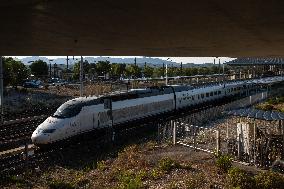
[[234, 28]]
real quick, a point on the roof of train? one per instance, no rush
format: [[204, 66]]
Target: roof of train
[[153, 91]]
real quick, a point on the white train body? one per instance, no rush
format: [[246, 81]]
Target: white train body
[[86, 114]]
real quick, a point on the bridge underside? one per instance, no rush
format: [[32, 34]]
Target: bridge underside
[[142, 27]]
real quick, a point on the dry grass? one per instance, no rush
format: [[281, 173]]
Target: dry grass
[[137, 166]]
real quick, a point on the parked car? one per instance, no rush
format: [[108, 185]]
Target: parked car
[[57, 82], [32, 84]]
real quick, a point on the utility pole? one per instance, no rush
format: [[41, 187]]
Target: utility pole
[[219, 69], [166, 74], [181, 69], [163, 70], [1, 91], [81, 76], [67, 62]]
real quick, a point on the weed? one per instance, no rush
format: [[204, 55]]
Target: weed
[[173, 185], [156, 173], [167, 164], [101, 165], [224, 163], [57, 184], [150, 145], [90, 166], [84, 183], [239, 178], [269, 180], [194, 181], [17, 180], [142, 174], [128, 180]]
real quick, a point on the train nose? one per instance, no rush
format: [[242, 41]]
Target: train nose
[[38, 138]]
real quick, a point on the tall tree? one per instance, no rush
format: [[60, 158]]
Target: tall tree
[[103, 67], [76, 69], [117, 69], [133, 71], [39, 68], [148, 71], [14, 72]]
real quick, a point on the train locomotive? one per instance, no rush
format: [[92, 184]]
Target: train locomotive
[[85, 114]]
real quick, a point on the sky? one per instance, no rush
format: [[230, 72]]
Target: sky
[[197, 60]]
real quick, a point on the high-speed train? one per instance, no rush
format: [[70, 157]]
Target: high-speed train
[[85, 114]]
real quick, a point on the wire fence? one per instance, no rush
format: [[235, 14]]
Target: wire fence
[[211, 131]]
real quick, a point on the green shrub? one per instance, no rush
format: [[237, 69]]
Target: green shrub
[[167, 164], [240, 179], [128, 180], [156, 173], [224, 163], [269, 180], [101, 165], [61, 185]]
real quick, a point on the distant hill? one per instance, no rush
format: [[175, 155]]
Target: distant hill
[[139, 60]]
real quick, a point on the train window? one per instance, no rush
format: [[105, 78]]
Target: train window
[[211, 93], [207, 94], [198, 96], [192, 97], [68, 110], [219, 92], [215, 92], [202, 95]]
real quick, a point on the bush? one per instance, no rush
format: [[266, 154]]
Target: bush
[[224, 163], [101, 166], [269, 180], [240, 179], [167, 164], [156, 173], [128, 180], [61, 185]]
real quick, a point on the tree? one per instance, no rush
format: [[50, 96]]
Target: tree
[[148, 71], [14, 72], [39, 68], [117, 69], [158, 72], [76, 69], [103, 67], [133, 71]]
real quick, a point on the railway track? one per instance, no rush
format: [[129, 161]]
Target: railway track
[[13, 133], [16, 162]]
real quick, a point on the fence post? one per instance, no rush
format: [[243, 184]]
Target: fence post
[[174, 133], [194, 137], [254, 141], [217, 142], [239, 147], [158, 132], [227, 133]]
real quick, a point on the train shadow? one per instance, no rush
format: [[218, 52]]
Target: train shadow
[[86, 152]]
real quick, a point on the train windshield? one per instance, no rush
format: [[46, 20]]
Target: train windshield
[[68, 110]]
